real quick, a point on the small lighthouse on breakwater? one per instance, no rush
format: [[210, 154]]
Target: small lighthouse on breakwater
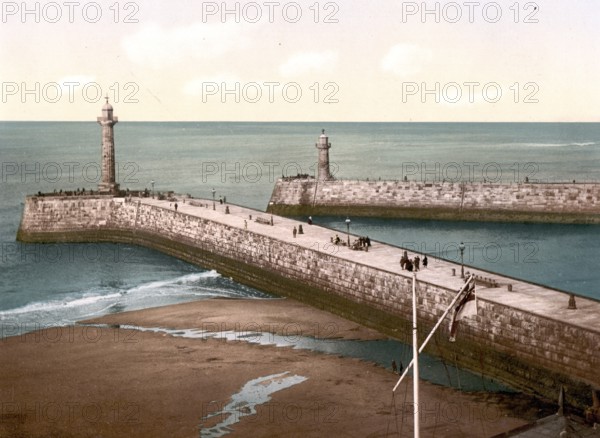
[[323, 146], [107, 121]]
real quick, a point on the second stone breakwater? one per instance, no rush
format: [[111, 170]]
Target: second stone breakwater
[[525, 202], [525, 337]]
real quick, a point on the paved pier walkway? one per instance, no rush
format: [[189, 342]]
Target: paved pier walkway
[[533, 298]]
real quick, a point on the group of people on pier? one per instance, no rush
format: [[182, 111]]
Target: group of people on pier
[[298, 230], [61, 192], [412, 265], [360, 244]]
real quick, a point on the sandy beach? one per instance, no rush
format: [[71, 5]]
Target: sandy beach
[[90, 381]]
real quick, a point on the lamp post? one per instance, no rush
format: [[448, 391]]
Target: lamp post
[[348, 228], [152, 183], [213, 193], [461, 247]]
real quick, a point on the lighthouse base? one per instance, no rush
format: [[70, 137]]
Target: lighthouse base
[[108, 188]]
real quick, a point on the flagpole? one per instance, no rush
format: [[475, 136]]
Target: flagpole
[[415, 359], [433, 331]]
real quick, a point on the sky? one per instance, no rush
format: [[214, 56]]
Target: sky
[[382, 61]]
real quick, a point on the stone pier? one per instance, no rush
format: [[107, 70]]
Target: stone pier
[[526, 337], [468, 201]]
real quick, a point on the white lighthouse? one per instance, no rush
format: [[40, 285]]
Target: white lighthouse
[[323, 146], [108, 184]]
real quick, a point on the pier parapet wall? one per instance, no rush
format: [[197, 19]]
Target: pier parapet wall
[[529, 350], [527, 202]]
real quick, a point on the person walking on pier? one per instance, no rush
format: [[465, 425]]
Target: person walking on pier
[[425, 261], [176, 206], [404, 260], [417, 263], [294, 232]]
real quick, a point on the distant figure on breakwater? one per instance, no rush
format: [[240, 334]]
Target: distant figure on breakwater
[[310, 220], [300, 230], [394, 366], [176, 206], [403, 260], [417, 263], [409, 265], [294, 232], [425, 261]]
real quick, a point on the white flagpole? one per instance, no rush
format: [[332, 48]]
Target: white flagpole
[[433, 330], [415, 360]]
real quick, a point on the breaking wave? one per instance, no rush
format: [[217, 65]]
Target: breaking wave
[[93, 303], [555, 145]]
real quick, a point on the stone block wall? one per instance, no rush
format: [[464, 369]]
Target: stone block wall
[[526, 350], [571, 203]]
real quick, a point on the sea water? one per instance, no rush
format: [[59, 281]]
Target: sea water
[[45, 285]]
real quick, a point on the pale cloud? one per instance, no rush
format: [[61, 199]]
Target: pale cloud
[[197, 86], [72, 85], [158, 47], [309, 62], [406, 59], [76, 79]]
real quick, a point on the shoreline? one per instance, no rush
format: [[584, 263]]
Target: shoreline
[[113, 381], [278, 316]]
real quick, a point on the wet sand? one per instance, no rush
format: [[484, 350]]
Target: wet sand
[[87, 381]]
